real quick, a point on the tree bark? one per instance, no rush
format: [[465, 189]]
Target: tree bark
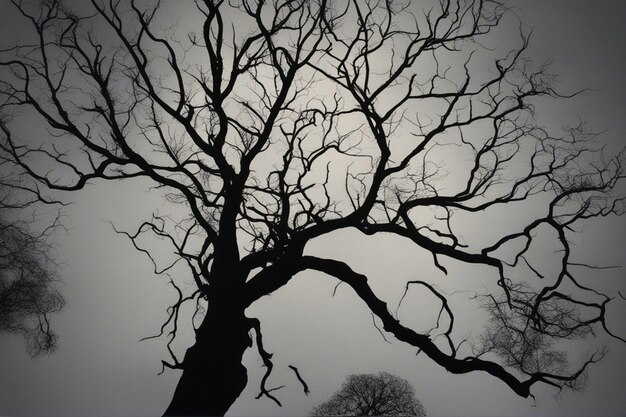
[[213, 374]]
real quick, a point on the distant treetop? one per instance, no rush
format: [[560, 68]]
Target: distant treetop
[[372, 395]]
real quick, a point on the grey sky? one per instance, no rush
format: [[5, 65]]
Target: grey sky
[[113, 299]]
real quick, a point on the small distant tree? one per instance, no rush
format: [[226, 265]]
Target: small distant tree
[[372, 395], [27, 275]]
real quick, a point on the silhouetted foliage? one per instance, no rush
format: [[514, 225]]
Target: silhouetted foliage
[[372, 395], [276, 123]]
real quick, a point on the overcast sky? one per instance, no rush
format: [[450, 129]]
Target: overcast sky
[[113, 300]]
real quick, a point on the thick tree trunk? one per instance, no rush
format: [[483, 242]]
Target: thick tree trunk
[[213, 375]]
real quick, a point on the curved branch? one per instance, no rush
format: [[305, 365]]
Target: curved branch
[[255, 324], [359, 284]]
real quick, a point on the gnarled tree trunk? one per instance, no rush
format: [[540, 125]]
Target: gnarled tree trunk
[[213, 375]]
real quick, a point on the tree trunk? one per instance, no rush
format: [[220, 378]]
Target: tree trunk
[[213, 375]]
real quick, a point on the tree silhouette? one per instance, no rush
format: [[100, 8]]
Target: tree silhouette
[[372, 395], [275, 123], [27, 275]]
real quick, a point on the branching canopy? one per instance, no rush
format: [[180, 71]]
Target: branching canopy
[[275, 123], [28, 275], [372, 395]]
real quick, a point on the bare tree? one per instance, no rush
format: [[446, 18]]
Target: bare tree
[[27, 274], [372, 395], [276, 123]]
